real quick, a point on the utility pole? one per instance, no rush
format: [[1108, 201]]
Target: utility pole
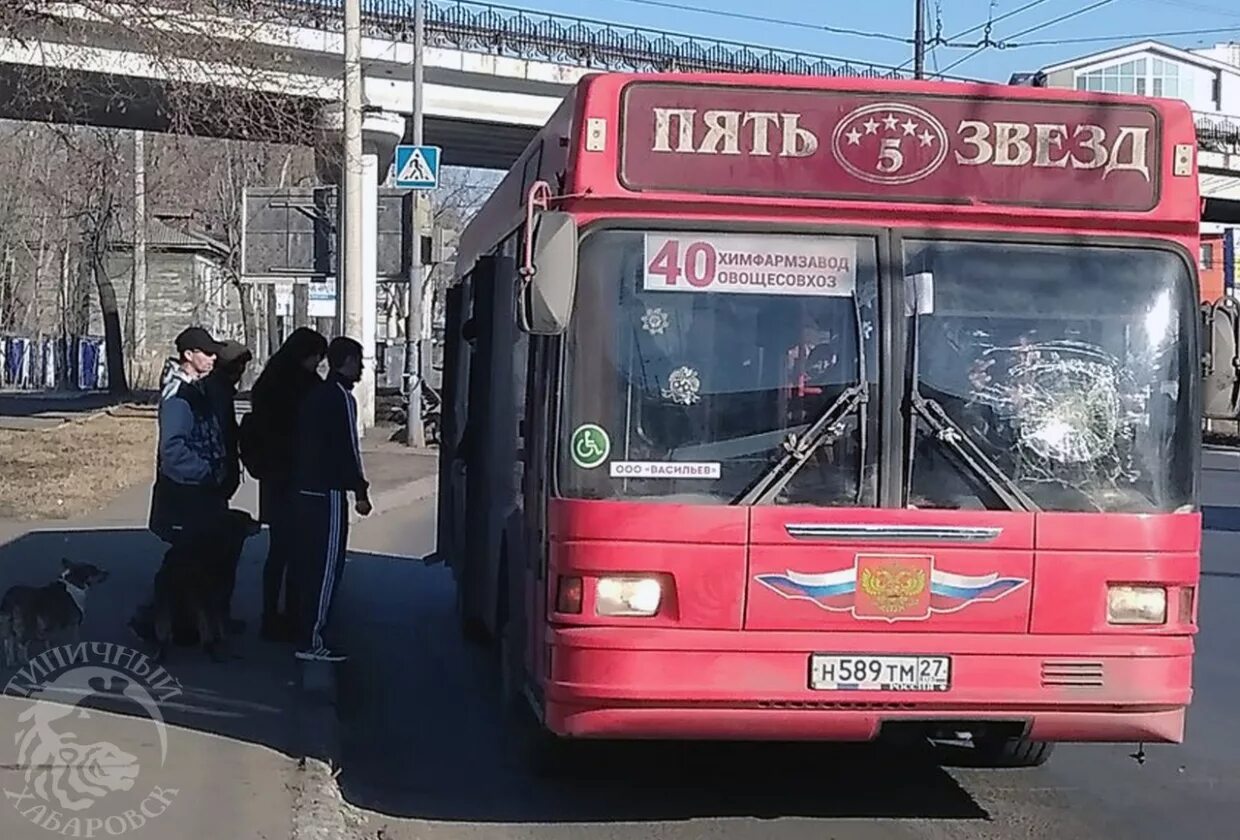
[[919, 41], [415, 435], [350, 271], [138, 350]]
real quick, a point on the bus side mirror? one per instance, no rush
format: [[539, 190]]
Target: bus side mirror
[[549, 274]]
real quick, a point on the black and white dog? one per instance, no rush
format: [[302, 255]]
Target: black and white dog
[[35, 614]]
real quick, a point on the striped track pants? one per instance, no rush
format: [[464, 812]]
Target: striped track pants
[[322, 519]]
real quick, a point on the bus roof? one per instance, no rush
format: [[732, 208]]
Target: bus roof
[[752, 141]]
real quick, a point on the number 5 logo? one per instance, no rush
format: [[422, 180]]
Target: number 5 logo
[[890, 158]]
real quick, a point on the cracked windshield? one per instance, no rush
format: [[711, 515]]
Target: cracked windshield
[[1050, 377], [696, 359], [634, 420]]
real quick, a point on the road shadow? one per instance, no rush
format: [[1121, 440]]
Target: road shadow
[[1220, 518], [423, 739], [29, 404], [246, 699]]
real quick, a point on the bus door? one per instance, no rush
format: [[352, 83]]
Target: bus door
[[489, 440], [454, 390], [528, 605]]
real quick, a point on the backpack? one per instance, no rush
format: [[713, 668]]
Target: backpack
[[251, 447]]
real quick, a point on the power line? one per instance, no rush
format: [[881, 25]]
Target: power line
[[999, 19], [938, 35], [1197, 7], [727, 43], [795, 24], [1135, 36], [1061, 19], [990, 22], [1030, 31]]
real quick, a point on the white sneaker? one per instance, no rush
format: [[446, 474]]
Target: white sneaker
[[320, 654]]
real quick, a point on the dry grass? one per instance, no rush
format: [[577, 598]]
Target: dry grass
[[74, 469]]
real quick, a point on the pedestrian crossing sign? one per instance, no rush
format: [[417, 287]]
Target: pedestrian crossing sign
[[417, 167]]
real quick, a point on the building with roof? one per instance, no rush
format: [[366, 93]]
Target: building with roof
[[1208, 79], [187, 282]]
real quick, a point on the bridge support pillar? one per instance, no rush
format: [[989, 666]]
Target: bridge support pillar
[[381, 132]]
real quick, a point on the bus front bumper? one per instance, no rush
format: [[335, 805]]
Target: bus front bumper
[[723, 685]]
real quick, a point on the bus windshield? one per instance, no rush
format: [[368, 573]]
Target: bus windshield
[[1050, 377], [695, 360]]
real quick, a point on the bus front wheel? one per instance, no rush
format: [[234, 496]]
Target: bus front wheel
[[535, 748]]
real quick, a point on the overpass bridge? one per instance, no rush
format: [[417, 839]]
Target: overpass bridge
[[493, 74]]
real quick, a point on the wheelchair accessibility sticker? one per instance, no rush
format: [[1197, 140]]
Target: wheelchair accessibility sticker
[[590, 445]]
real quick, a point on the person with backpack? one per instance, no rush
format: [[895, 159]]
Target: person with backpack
[[267, 437]]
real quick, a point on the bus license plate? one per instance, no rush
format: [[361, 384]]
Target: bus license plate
[[859, 672]]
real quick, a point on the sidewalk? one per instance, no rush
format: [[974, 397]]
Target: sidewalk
[[216, 739], [398, 476], [235, 754]]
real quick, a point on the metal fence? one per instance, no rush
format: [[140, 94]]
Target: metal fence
[[518, 33], [1218, 132]]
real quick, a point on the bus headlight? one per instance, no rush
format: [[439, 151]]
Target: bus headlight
[[631, 596], [1136, 604]]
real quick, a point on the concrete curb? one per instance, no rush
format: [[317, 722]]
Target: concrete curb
[[318, 808], [320, 811]]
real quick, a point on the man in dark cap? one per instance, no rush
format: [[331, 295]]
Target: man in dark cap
[[186, 501], [190, 460]]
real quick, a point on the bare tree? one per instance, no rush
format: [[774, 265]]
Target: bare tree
[[460, 195], [99, 217], [208, 179], [212, 68]]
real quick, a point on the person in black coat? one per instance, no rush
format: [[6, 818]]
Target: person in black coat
[[220, 386], [267, 437], [221, 389]]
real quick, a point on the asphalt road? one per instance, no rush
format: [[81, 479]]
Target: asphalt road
[[425, 758]]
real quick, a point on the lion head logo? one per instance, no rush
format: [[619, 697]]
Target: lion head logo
[[67, 767], [61, 769]]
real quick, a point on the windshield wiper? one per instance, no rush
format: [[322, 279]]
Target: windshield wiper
[[967, 454], [827, 428]]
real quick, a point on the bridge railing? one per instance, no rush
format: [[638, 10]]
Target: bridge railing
[[495, 29], [1218, 132]]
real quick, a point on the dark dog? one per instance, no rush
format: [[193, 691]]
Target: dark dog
[[194, 587], [34, 614]]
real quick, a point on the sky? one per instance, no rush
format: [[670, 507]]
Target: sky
[[1027, 45]]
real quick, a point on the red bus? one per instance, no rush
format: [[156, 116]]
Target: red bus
[[799, 408]]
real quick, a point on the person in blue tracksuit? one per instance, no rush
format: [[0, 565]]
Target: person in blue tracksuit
[[327, 465]]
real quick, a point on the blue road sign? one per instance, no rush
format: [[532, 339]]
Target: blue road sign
[[417, 167]]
